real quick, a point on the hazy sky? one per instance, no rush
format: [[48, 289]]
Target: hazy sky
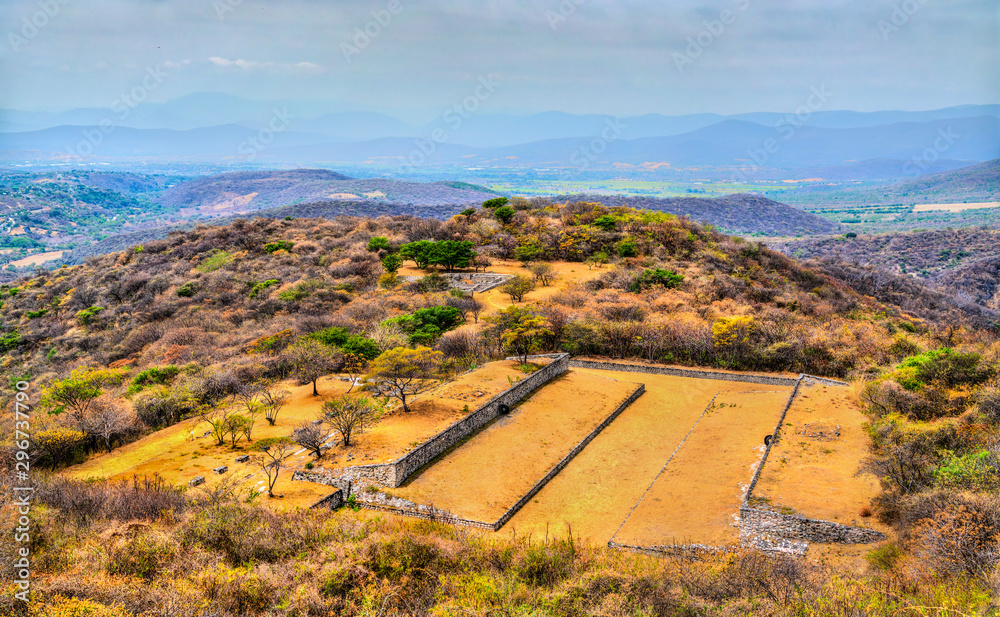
[[585, 56]]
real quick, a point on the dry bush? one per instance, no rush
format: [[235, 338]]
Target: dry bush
[[461, 343]]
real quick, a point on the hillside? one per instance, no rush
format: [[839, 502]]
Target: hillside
[[972, 183], [165, 336], [743, 214], [241, 192], [961, 263]]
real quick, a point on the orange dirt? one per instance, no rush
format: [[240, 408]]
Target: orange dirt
[[812, 472], [487, 474], [699, 493], [173, 454], [598, 489]]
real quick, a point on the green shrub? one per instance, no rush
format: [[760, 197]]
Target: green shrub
[[36, 314], [656, 276], [627, 248], [972, 470], [884, 557], [187, 289], [378, 243], [496, 202], [215, 261], [86, 316], [606, 222], [278, 245], [257, 288], [504, 214], [153, 376]]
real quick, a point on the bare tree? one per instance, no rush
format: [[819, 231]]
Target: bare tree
[[271, 402], [401, 372], [271, 462], [310, 436], [349, 415], [107, 420], [311, 359], [544, 273]]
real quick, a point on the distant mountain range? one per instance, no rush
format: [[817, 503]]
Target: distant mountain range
[[225, 130]]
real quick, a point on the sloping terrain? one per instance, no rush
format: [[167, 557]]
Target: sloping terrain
[[239, 192], [737, 214]]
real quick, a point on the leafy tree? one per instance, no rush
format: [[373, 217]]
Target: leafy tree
[[504, 214], [310, 359], [521, 330], [526, 253], [378, 243], [350, 414], [496, 202], [426, 324], [78, 392], [59, 446], [517, 287], [453, 254], [401, 372], [392, 262], [627, 248], [420, 252], [341, 339]]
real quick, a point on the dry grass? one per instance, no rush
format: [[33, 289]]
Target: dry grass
[[956, 207], [484, 476]]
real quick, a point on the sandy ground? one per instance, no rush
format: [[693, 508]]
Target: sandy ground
[[481, 478], [596, 491], [699, 493], [40, 258], [956, 207], [180, 452], [814, 473], [495, 300]]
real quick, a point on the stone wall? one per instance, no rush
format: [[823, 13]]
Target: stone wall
[[386, 503], [770, 444], [683, 372], [425, 453], [569, 457], [758, 522], [395, 473], [331, 502]]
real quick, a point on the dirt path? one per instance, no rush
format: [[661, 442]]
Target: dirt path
[[596, 491], [484, 476]]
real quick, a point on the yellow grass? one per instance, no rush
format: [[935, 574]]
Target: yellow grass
[[180, 452], [955, 207], [598, 489], [486, 475]]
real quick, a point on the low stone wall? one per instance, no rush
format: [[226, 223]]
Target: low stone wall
[[756, 521], [770, 444], [331, 502], [385, 503], [670, 550], [425, 453], [683, 372], [569, 457], [395, 473]]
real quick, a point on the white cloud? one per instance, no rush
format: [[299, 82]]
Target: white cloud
[[251, 65]]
